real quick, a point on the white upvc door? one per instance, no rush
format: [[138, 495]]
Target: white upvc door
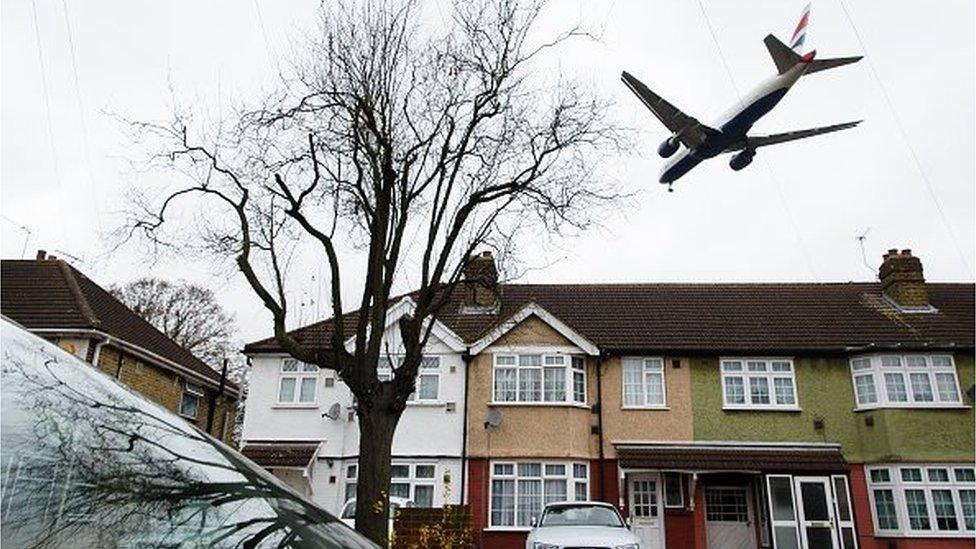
[[815, 512], [646, 510]]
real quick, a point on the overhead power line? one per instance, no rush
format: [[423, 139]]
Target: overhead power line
[[769, 170], [904, 135]]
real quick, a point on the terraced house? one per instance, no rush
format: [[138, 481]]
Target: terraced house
[[785, 416]]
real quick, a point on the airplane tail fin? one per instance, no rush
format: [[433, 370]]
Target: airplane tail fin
[[784, 57]]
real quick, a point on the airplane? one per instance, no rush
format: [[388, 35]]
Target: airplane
[[729, 133]]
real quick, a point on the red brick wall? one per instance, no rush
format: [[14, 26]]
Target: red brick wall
[[865, 524]]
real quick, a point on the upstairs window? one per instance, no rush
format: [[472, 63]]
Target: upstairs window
[[297, 382], [190, 401], [759, 383], [643, 383], [428, 376], [905, 381], [539, 378]]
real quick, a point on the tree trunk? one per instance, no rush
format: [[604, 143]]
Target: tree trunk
[[376, 427]]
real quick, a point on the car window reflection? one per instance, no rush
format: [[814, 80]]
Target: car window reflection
[[86, 463]]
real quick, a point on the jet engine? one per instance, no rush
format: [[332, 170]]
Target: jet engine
[[668, 147], [741, 159]]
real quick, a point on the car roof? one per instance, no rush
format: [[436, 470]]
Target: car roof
[[581, 503]]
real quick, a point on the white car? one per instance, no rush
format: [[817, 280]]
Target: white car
[[348, 514], [581, 524]]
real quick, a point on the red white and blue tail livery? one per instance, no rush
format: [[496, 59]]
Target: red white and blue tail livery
[[730, 132], [800, 34]]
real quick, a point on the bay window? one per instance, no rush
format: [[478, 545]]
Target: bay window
[[539, 378], [910, 500], [905, 381], [297, 382], [520, 490], [643, 382], [758, 384]]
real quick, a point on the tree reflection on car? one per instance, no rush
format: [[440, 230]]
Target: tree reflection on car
[[87, 463]]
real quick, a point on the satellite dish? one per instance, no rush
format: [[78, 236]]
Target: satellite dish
[[494, 418], [333, 412]]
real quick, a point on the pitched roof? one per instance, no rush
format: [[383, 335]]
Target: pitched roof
[[716, 318], [51, 294]]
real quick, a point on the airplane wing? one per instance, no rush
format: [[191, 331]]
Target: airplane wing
[[753, 142], [687, 129]]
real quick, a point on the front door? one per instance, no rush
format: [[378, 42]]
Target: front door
[[646, 513], [728, 518], [815, 512]]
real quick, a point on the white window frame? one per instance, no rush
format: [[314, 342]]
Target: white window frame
[[569, 476], [570, 365], [878, 365], [768, 374], [303, 371], [673, 477], [898, 486], [351, 477], [430, 366], [646, 369], [193, 390], [413, 481]]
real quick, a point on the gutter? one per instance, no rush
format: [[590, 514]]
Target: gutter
[[135, 350], [467, 358]]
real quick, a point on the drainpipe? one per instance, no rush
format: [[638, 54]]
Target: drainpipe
[[118, 366], [599, 419], [467, 358], [215, 396], [98, 351]]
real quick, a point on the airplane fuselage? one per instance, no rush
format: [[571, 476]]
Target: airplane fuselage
[[731, 128]]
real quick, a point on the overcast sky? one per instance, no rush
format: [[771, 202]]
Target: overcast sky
[[793, 215]]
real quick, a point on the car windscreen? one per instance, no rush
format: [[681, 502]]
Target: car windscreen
[[87, 463], [580, 515]]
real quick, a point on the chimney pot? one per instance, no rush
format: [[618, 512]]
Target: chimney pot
[[907, 252], [41, 255]]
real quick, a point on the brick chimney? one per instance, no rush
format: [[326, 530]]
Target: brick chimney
[[480, 281], [902, 281]]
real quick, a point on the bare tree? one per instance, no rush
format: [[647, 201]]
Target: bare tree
[[415, 146], [189, 314]]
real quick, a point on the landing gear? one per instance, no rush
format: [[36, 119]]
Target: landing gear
[[670, 190]]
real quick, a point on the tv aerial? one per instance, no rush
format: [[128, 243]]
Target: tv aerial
[[333, 412]]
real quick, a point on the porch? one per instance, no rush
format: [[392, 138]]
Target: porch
[[720, 495]]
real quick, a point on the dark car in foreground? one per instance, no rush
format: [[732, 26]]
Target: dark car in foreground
[[85, 462]]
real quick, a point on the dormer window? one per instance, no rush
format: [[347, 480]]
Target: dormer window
[[905, 381]]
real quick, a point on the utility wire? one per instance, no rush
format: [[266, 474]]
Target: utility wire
[[904, 136], [81, 116], [50, 122], [769, 170]]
